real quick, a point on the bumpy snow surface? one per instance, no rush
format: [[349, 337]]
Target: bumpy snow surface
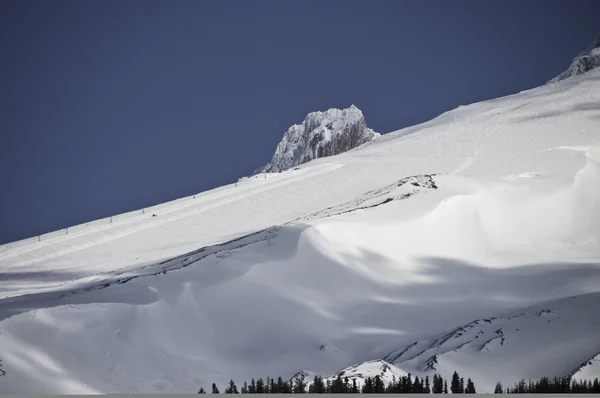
[[468, 243], [584, 62], [321, 134]]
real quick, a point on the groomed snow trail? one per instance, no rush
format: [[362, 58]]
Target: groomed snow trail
[[484, 211]]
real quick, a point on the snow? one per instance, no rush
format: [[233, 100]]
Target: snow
[[590, 370], [331, 264], [490, 346], [388, 373]]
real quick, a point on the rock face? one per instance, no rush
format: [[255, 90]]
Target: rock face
[[585, 61], [321, 134]]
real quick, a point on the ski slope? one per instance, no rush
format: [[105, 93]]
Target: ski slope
[[487, 210]]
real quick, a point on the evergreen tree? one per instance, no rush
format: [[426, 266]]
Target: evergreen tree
[[317, 387], [470, 387], [280, 385], [355, 387], [252, 387], [393, 387], [521, 387], [576, 387], [215, 389], [273, 387], [267, 386], [427, 389], [543, 385], [378, 385], [245, 388], [462, 386], [311, 387], [337, 386], [445, 387], [320, 388], [260, 386], [531, 387], [455, 383], [367, 387], [438, 384], [231, 388], [389, 389], [287, 387], [409, 385], [417, 387], [346, 385], [299, 385], [498, 389], [201, 390]]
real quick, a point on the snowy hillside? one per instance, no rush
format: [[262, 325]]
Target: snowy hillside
[[475, 235], [387, 372], [588, 370], [583, 62], [321, 134], [547, 332]]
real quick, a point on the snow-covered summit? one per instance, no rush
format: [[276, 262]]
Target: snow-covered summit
[[360, 372], [584, 62], [321, 134]]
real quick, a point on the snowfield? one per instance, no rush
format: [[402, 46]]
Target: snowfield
[[469, 243]]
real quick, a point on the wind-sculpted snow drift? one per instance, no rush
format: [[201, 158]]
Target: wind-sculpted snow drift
[[468, 243], [321, 134]]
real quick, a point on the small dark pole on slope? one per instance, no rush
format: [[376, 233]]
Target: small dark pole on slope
[[2, 371]]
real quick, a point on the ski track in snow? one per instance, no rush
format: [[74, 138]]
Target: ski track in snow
[[467, 243]]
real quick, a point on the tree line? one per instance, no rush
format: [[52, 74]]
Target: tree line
[[339, 385], [401, 385], [557, 385]]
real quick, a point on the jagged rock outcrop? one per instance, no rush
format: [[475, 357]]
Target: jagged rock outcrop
[[585, 61], [321, 134]]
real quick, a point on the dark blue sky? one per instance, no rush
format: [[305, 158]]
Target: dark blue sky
[[109, 106]]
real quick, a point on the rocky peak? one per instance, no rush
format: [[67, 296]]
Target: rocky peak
[[585, 61], [321, 134]]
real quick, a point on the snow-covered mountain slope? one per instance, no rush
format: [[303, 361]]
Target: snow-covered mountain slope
[[321, 134], [589, 370], [551, 338], [361, 372], [331, 264], [583, 62]]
